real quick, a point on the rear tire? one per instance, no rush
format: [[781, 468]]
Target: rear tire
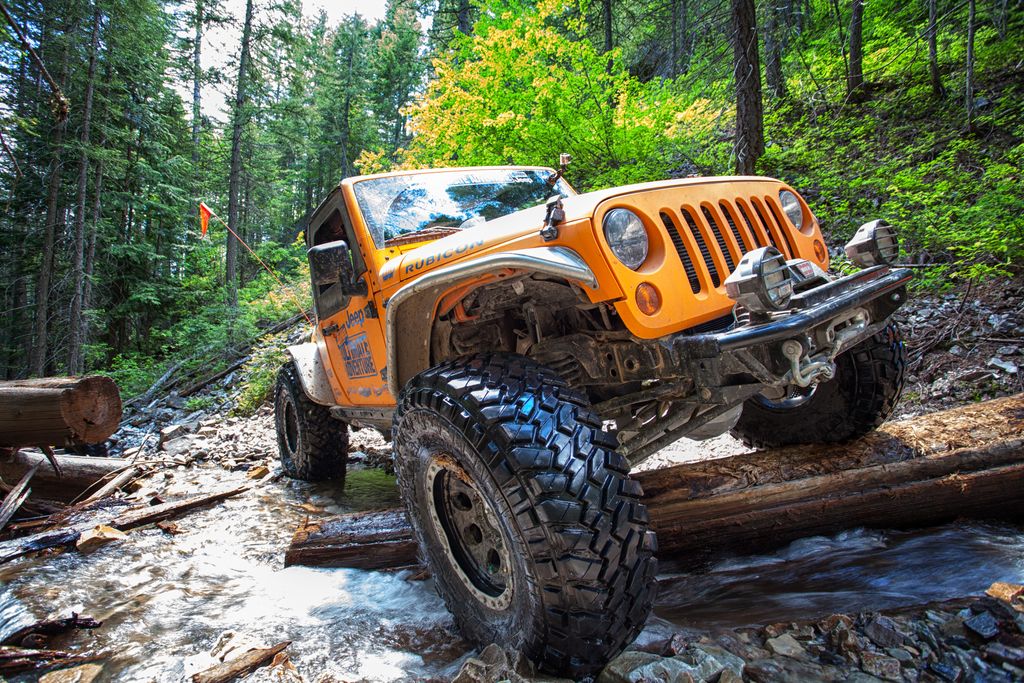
[[525, 515], [868, 383], [313, 445]]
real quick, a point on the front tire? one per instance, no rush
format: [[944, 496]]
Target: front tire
[[868, 383], [525, 515], [313, 445]]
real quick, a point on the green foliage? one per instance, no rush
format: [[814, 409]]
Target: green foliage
[[200, 403], [532, 81], [260, 373]]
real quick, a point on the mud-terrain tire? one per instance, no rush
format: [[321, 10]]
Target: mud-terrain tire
[[313, 445], [560, 563], [863, 394]]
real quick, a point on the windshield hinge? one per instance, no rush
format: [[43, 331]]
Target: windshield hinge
[[554, 216]]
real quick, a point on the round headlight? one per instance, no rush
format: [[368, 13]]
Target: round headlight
[[626, 236], [791, 207]]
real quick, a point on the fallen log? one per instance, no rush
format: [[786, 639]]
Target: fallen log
[[78, 472], [14, 660], [240, 666], [16, 497], [61, 538], [965, 462], [49, 628], [58, 411], [369, 540], [157, 513]]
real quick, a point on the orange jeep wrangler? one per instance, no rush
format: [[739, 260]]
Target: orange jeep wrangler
[[524, 345]]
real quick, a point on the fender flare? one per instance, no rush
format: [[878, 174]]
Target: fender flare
[[410, 310], [309, 366]]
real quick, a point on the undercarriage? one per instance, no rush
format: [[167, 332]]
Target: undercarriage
[[693, 384]]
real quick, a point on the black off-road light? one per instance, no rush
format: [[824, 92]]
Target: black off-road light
[[761, 282], [874, 244]]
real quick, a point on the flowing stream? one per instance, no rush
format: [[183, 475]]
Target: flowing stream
[[165, 600]]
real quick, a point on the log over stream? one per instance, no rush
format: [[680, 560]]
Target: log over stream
[[964, 462]]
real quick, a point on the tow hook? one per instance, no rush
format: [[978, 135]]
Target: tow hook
[[810, 372]]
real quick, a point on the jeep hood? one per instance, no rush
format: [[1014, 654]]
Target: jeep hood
[[483, 237]]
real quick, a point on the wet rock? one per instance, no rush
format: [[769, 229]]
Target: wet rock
[[98, 537], [1004, 654], [495, 664], [171, 433], [666, 670], [900, 655], [177, 447], [258, 472], [787, 646], [945, 672], [701, 663], [1007, 592], [1007, 350], [619, 670], [884, 632], [729, 677], [1004, 365], [786, 671], [86, 673], [861, 677], [983, 625], [881, 666]]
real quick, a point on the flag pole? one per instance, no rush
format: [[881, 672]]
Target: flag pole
[[202, 206]]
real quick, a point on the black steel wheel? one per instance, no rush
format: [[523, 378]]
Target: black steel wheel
[[313, 445], [863, 394], [533, 531]]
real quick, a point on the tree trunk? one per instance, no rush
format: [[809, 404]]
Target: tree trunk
[[90, 252], [75, 363], [972, 26], [967, 461], [58, 411], [465, 18], [680, 37], [855, 78], [346, 113], [773, 55], [933, 50], [235, 175], [37, 361], [748, 145], [197, 82]]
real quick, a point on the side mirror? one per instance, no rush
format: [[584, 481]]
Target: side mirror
[[331, 263]]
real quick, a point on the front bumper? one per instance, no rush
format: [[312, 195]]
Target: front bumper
[[729, 365], [879, 291]]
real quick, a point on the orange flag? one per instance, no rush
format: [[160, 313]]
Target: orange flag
[[204, 216]]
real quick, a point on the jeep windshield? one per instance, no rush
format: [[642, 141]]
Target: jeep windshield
[[435, 204]]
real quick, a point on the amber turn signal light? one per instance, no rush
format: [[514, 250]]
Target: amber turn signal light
[[647, 298]]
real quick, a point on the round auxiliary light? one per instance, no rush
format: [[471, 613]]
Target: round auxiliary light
[[626, 236], [792, 208], [761, 282], [648, 300], [874, 244]]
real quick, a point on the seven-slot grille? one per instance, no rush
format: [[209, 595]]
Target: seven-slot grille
[[711, 238]]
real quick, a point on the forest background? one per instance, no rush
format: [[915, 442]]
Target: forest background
[[909, 111]]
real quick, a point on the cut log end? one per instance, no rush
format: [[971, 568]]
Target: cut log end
[[92, 409], [58, 411]]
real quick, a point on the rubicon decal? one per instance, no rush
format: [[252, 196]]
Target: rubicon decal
[[443, 256]]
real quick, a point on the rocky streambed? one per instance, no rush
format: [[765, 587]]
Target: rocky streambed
[[857, 606]]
